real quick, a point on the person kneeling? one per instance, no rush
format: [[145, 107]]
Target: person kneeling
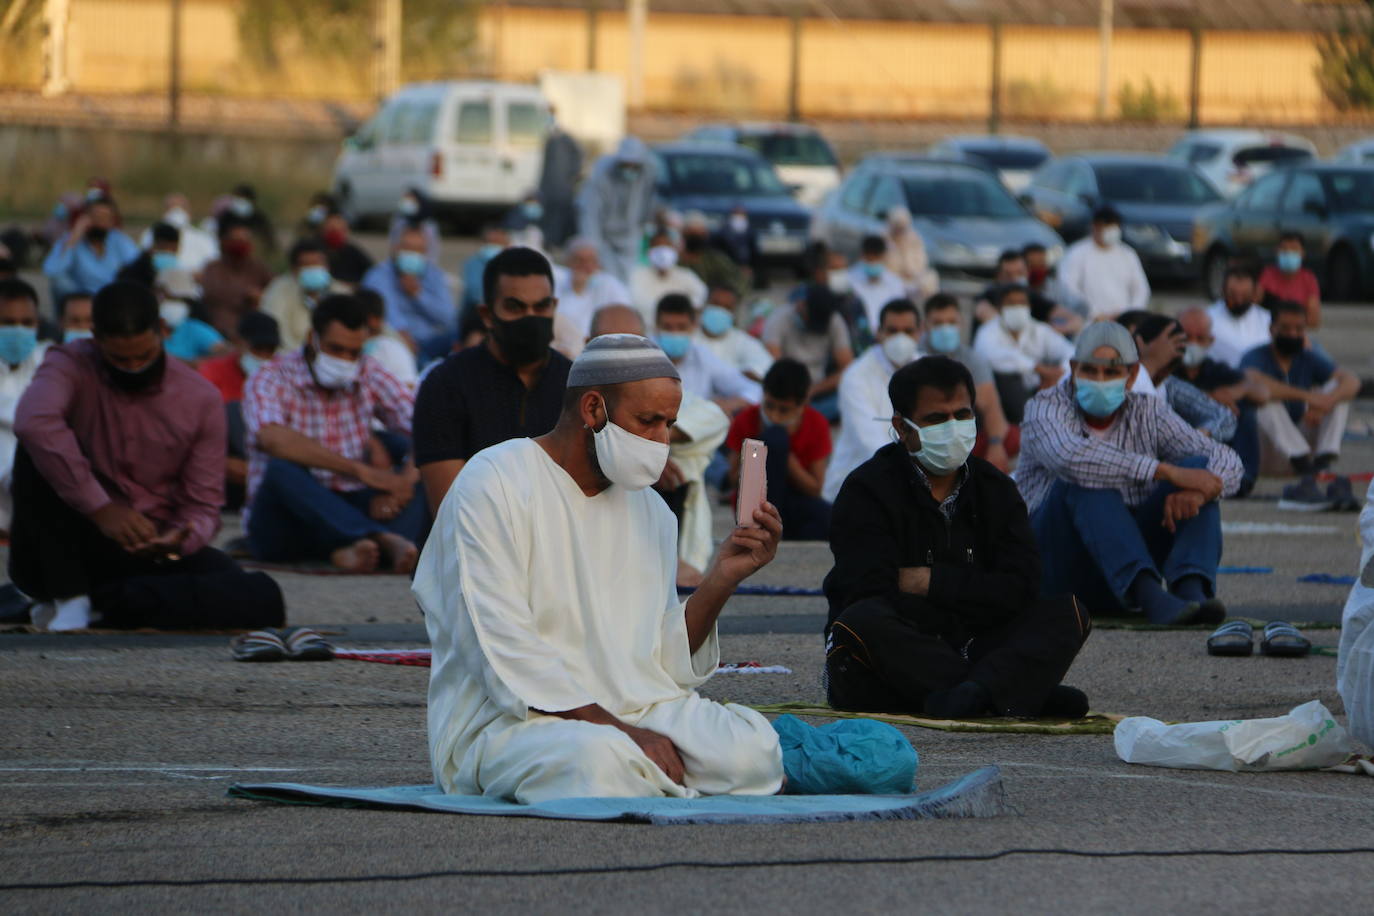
[[934, 596]]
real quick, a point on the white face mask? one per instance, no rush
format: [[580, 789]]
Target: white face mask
[[945, 446], [1016, 318], [663, 257], [838, 281], [899, 348], [174, 312], [177, 217], [627, 460], [739, 223], [334, 373], [1194, 355], [1111, 236]]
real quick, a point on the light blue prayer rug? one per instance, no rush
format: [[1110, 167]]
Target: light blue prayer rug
[[978, 794]]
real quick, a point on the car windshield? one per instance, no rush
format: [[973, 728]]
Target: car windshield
[[1270, 155], [1002, 157], [1349, 192], [960, 195], [1153, 184], [790, 149], [727, 175]]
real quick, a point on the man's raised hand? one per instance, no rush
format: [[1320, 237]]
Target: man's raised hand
[[748, 550]]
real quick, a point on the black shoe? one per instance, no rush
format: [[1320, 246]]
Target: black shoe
[[1065, 702], [967, 700], [1304, 496], [14, 605], [1341, 496]]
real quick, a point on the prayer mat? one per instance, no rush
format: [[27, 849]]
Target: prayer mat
[[1093, 724], [1326, 579], [1244, 570], [420, 658], [978, 794]]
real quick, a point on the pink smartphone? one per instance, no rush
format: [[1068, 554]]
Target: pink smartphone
[[753, 481]]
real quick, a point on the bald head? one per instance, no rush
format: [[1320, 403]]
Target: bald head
[[616, 319], [1197, 324]]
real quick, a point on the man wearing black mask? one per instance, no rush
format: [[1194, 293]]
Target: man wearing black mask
[[509, 387], [118, 484]]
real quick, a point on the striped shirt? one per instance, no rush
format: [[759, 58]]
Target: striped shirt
[[1056, 444]]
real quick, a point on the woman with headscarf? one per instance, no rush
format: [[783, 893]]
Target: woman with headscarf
[[906, 255]]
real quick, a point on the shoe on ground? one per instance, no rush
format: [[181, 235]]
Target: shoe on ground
[[1304, 496], [1065, 702], [1341, 495]]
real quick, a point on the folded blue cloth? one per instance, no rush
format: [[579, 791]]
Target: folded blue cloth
[[848, 757]]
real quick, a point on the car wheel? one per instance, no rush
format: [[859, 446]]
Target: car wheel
[[1214, 272], [1342, 276]]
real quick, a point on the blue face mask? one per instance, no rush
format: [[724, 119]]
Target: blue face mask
[[533, 210], [411, 262], [164, 260], [489, 251], [675, 345], [1290, 262], [69, 336], [873, 269], [944, 338], [716, 320], [1100, 399], [17, 343], [314, 278]]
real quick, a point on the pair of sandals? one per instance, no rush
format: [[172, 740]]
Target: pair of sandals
[[297, 644], [1236, 639]]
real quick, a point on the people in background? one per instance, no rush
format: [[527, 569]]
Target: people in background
[[291, 297], [935, 598], [322, 203], [1308, 408], [195, 246], [1101, 276], [1037, 267], [812, 331], [702, 372], [1013, 270], [232, 285], [1122, 492], [91, 253], [21, 353], [906, 256], [190, 336], [348, 263], [118, 484], [1161, 341], [1239, 324], [418, 304], [242, 206], [942, 335], [384, 344], [872, 282], [1026, 355], [559, 172], [1239, 392], [583, 288], [734, 347], [1287, 280], [711, 264], [616, 203], [522, 222], [258, 341], [509, 386], [74, 317], [161, 254], [663, 276], [315, 490], [495, 239], [736, 237], [414, 211]]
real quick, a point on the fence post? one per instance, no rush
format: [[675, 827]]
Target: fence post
[[55, 17], [1104, 58], [638, 14], [174, 70], [1195, 79], [794, 71], [592, 12], [995, 91]]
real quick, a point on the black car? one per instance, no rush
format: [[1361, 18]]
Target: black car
[[1158, 198]]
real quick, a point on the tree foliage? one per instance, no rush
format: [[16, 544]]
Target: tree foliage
[[1346, 70]]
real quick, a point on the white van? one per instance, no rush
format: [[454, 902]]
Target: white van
[[469, 146]]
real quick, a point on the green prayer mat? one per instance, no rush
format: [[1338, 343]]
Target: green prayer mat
[[1092, 724]]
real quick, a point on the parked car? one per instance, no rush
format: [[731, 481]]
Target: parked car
[[1014, 159], [1330, 204], [802, 157], [1361, 151], [715, 178], [964, 214], [1156, 196], [1231, 159], [472, 147]]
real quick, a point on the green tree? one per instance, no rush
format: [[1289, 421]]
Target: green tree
[[1346, 70]]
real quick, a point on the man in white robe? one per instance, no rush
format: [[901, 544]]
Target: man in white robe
[[564, 663]]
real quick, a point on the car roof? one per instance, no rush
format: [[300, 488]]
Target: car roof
[[917, 162], [719, 147], [1113, 157], [1319, 166], [1002, 140], [1235, 136]]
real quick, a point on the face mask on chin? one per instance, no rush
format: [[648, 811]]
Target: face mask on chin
[[627, 460]]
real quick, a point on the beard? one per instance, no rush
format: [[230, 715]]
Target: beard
[[594, 461]]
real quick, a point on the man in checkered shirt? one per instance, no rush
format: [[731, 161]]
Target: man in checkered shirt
[[1122, 492], [321, 486]]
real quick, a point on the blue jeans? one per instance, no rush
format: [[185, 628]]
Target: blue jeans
[[1094, 546], [295, 517], [828, 405], [1246, 443]]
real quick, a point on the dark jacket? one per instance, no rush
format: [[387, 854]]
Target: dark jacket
[[985, 568]]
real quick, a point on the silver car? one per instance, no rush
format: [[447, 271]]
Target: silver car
[[966, 217]]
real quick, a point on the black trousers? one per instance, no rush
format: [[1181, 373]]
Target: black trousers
[[1013, 393], [879, 661], [57, 553]]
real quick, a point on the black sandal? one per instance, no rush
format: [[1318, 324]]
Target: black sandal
[[1235, 638], [1282, 640]]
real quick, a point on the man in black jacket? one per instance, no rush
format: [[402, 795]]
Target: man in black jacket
[[934, 597]]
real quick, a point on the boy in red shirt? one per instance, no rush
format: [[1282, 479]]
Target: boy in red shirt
[[798, 440], [1288, 281]]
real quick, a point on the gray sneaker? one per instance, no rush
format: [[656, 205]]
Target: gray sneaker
[[1304, 496], [1341, 496]]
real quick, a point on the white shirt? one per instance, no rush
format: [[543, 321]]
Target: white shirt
[[13, 381], [196, 248], [1234, 337], [874, 294], [648, 286], [705, 425], [704, 375], [1107, 281], [602, 289], [865, 417], [1038, 345], [395, 358], [739, 349]]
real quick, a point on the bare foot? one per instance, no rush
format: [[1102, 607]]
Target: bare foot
[[398, 553], [359, 557]]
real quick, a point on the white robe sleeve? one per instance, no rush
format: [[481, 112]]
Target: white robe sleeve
[[689, 669]]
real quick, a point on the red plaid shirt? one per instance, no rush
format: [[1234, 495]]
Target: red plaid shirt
[[284, 393]]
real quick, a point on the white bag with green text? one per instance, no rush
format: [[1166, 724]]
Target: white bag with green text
[[1307, 738]]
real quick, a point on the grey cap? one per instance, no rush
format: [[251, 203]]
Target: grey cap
[[613, 359], [1105, 334]]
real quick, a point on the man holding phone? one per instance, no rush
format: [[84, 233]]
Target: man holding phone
[[564, 662]]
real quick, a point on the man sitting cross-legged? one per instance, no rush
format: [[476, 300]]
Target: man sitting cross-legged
[[564, 661], [1121, 489], [314, 490], [934, 597]]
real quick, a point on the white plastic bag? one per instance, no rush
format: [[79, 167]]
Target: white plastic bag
[[1355, 666], [1307, 738]]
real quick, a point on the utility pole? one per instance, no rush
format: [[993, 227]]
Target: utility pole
[[1104, 59], [995, 93], [387, 46], [174, 70], [1195, 79], [794, 71], [592, 12], [55, 15], [638, 14]]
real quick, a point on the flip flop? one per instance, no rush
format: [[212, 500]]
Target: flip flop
[[259, 646], [1235, 638], [305, 645], [1282, 640]]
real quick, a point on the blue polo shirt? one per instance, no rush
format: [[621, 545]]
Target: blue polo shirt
[[1310, 369]]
